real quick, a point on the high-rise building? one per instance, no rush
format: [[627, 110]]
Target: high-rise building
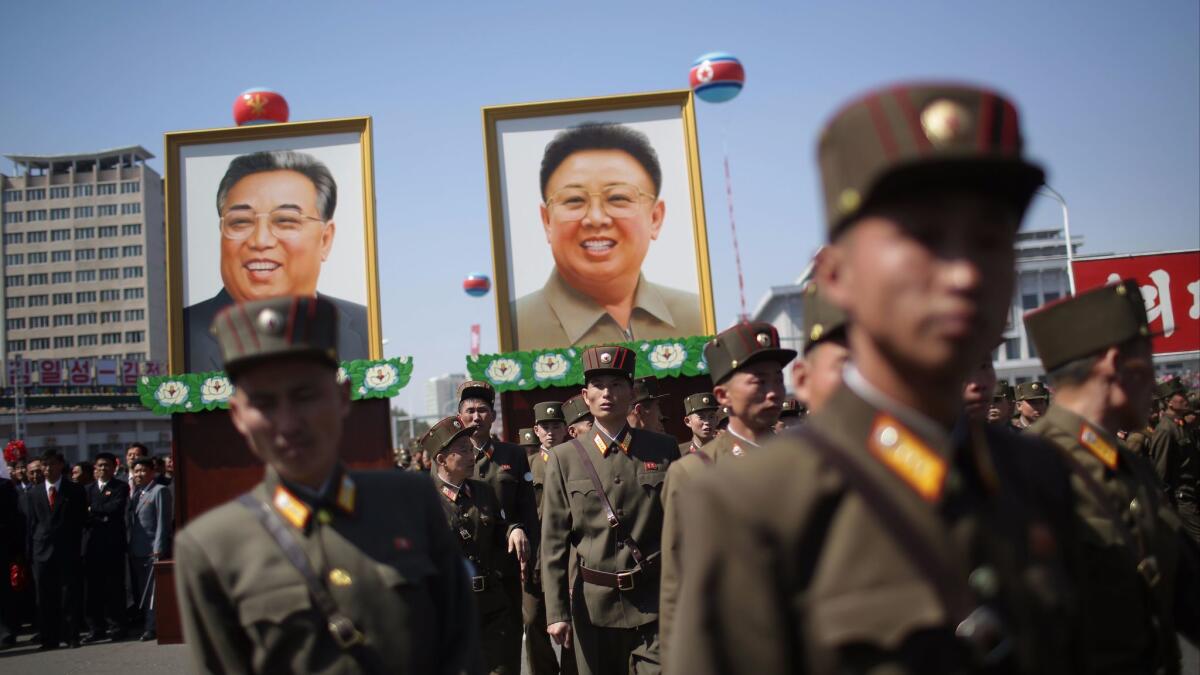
[[440, 394], [84, 257]]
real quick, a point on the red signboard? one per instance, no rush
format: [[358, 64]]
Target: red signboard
[[1170, 287]]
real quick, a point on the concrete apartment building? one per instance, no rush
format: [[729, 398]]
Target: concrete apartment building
[[85, 277]]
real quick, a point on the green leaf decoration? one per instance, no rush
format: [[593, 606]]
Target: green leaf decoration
[[197, 392], [541, 368]]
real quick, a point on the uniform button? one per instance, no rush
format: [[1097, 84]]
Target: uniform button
[[1135, 507], [620, 544], [617, 480], [984, 582]]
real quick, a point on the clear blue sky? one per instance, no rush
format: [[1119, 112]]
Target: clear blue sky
[[1109, 91]]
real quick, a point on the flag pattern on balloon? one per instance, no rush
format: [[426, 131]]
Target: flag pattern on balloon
[[717, 77], [477, 285], [260, 106]]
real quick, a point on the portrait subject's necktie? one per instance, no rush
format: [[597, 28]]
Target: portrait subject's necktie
[[51, 494]]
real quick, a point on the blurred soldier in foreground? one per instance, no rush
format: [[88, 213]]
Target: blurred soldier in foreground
[[1176, 458], [1032, 400], [317, 569], [699, 411], [1096, 351], [818, 371], [791, 414], [603, 498], [871, 539], [473, 513], [577, 416]]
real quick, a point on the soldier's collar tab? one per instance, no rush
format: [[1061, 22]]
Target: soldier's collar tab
[[902, 451], [293, 510]]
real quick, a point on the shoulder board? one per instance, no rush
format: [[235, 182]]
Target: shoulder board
[[1099, 447]]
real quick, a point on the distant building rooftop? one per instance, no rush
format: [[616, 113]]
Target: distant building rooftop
[[81, 161]]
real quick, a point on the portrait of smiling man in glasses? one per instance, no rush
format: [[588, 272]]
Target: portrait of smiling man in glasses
[[601, 210], [276, 221]]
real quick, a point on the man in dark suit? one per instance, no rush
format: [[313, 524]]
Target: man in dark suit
[[56, 511], [277, 228], [104, 549], [11, 545]]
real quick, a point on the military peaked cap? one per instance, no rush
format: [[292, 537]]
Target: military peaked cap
[[1075, 327], [742, 345], [822, 319], [476, 389], [1003, 390], [442, 434], [255, 331], [721, 420], [610, 360], [548, 411], [911, 136], [575, 409], [792, 408], [646, 389], [699, 402], [1027, 391], [1171, 387], [528, 438]]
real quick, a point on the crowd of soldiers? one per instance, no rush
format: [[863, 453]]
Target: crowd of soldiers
[[905, 513], [77, 546]]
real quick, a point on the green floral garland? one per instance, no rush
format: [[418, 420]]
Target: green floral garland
[[538, 369], [196, 392]]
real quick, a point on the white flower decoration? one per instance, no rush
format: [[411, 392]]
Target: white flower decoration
[[667, 356], [549, 367], [381, 377], [702, 365], [216, 390], [171, 393], [504, 370], [342, 375]]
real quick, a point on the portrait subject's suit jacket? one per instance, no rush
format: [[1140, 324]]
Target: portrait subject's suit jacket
[[203, 353], [105, 536], [56, 534], [149, 522]]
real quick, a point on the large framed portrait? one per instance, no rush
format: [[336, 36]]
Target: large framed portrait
[[263, 211], [597, 218]]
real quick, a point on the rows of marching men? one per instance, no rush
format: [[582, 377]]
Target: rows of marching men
[[78, 545], [905, 524]]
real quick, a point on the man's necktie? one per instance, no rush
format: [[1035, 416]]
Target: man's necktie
[[52, 494]]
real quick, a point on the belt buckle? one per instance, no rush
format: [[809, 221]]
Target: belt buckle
[[1148, 568], [478, 584], [985, 635], [344, 632], [622, 578]]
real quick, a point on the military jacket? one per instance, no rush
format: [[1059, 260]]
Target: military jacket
[[680, 475], [791, 570], [1128, 584], [537, 474], [631, 474], [476, 519], [505, 469], [389, 562], [1175, 459]]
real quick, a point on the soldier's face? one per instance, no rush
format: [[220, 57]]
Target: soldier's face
[[977, 390], [608, 397], [1134, 377], [927, 282], [457, 461], [264, 265], [291, 411], [701, 424], [479, 414], [754, 394], [1032, 409], [818, 374], [648, 416], [550, 433], [596, 248], [1000, 410], [579, 428]]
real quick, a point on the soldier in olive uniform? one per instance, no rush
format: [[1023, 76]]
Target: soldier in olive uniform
[[1176, 458], [473, 512], [1032, 401], [505, 468], [721, 420], [577, 416], [699, 411], [1000, 411], [818, 371], [647, 412], [872, 539], [791, 414], [746, 364], [602, 497], [1096, 351], [548, 431], [380, 585]]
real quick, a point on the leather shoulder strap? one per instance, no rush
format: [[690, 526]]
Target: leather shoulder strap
[[609, 512], [921, 552]]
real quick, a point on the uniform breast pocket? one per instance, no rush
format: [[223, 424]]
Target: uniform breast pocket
[[271, 610], [585, 504], [407, 570], [652, 480], [507, 484]]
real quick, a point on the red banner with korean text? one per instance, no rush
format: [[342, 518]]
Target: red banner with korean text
[[1170, 288]]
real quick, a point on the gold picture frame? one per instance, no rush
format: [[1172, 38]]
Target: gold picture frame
[[493, 116], [174, 197]]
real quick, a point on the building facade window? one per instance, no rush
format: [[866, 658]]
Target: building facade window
[[60, 214], [106, 189], [14, 237], [62, 298], [60, 256], [13, 195], [135, 336], [135, 356], [85, 254], [110, 295], [38, 279], [15, 324], [11, 280], [38, 257], [84, 212], [16, 345], [110, 317], [131, 208], [11, 259], [64, 341], [35, 237], [14, 217], [63, 192], [35, 215], [14, 302], [130, 187], [131, 229], [132, 272], [84, 276], [85, 296], [85, 232], [61, 320], [109, 273], [131, 250], [60, 278], [88, 340], [109, 252], [135, 314], [107, 231], [134, 293], [83, 191], [85, 318], [105, 210], [35, 193], [39, 343], [39, 322], [110, 338], [40, 300]]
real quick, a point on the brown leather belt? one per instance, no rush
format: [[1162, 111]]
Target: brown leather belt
[[622, 581]]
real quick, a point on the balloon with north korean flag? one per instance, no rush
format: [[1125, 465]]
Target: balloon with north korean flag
[[260, 106], [717, 77]]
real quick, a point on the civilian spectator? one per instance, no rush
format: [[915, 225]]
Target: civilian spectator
[[104, 547], [83, 473], [149, 523], [56, 511]]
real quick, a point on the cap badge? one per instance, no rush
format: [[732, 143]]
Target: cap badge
[[849, 200], [817, 331], [1035, 386], [550, 410], [457, 424], [944, 121], [605, 357], [270, 322], [764, 339], [706, 400]]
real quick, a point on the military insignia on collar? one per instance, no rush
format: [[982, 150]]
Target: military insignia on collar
[[908, 457], [346, 494], [763, 339], [1103, 451], [270, 322], [600, 444], [292, 509], [545, 456], [945, 121]]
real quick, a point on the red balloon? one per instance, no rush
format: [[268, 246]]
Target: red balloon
[[260, 106]]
